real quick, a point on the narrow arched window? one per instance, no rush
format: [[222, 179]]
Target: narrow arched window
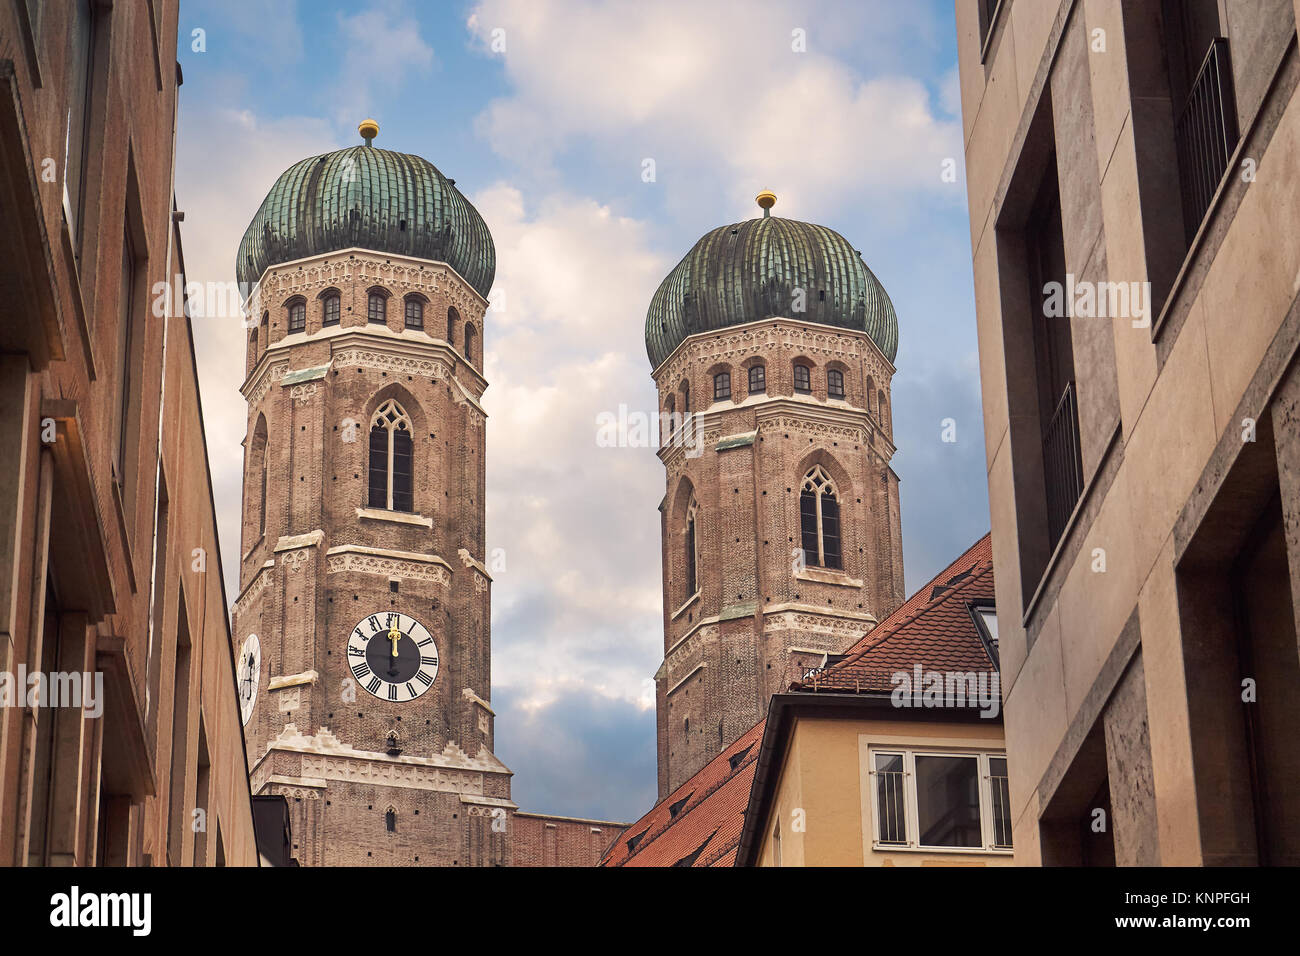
[[686, 396], [819, 520], [881, 411], [297, 315], [469, 343], [721, 386], [871, 397], [377, 307], [266, 329], [834, 383], [452, 318], [390, 820], [391, 462], [802, 379], [414, 313], [266, 487], [692, 553], [757, 379], [330, 313], [259, 461]]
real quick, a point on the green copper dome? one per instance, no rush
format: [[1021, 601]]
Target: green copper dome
[[374, 199], [750, 271]]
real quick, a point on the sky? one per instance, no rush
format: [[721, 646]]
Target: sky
[[545, 113]]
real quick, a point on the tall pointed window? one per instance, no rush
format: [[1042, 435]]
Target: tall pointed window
[[391, 459], [819, 521], [692, 553], [452, 318]]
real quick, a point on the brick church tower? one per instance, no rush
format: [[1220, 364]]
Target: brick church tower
[[772, 346], [362, 626]]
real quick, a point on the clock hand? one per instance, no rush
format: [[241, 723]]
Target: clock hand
[[394, 635]]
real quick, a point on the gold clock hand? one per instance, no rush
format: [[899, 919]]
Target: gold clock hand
[[394, 635]]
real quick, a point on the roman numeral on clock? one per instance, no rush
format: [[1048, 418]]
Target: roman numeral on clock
[[362, 670], [392, 692], [427, 640], [356, 651], [423, 678], [410, 691], [373, 686], [429, 660], [374, 624]]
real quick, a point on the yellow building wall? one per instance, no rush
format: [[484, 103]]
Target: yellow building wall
[[823, 787]]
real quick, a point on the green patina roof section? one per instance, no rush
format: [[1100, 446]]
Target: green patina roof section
[[750, 270], [736, 441], [370, 198], [305, 375]]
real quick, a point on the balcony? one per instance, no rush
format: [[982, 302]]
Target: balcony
[[1205, 135]]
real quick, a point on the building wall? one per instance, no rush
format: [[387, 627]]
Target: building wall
[[824, 787], [757, 621], [92, 375], [541, 840], [1123, 684]]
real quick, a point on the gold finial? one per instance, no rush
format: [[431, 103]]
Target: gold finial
[[766, 200], [368, 129]]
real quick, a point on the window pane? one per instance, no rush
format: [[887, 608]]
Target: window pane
[[891, 822], [297, 317], [835, 383], [802, 381], [379, 467], [722, 385], [331, 310], [377, 309], [947, 801], [831, 531], [402, 484], [808, 527], [1001, 795], [757, 379], [690, 557], [414, 314]]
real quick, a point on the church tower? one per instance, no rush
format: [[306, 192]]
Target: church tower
[[362, 626], [772, 346]]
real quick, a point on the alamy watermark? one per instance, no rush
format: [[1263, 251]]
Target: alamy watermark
[[628, 428], [1098, 300], [56, 689], [947, 689]]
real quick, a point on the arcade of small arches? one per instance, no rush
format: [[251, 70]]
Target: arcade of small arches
[[414, 306]]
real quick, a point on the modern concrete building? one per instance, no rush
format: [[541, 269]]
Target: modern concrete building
[[1133, 175], [109, 564]]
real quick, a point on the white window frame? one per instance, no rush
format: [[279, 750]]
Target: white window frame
[[911, 819]]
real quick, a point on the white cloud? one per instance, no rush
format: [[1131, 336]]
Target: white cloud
[[716, 95], [382, 50]]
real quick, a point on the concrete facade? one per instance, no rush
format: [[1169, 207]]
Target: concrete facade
[[758, 618], [1148, 641], [109, 562]]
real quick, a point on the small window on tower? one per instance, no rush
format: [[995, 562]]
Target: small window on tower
[[721, 386], [802, 379], [835, 383], [469, 342], [414, 313], [331, 312], [297, 316], [390, 820], [377, 307], [757, 379]]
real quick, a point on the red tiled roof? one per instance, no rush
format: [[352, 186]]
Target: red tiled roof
[[932, 628], [709, 821]]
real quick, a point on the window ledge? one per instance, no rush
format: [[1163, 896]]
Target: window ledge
[[822, 575], [957, 850], [397, 517], [689, 601]]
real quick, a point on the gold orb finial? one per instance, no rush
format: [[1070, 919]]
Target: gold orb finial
[[368, 129], [766, 200]]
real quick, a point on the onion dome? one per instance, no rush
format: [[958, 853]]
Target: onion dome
[[373, 199], [751, 270]]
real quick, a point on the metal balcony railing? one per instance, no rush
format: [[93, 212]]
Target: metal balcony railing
[[1062, 463], [1205, 135]]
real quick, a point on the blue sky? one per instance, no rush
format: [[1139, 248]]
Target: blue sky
[[548, 138]]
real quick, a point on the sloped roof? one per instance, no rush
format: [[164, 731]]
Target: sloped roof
[[709, 821], [933, 627]]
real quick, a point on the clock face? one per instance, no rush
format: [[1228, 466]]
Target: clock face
[[393, 656], [247, 674]]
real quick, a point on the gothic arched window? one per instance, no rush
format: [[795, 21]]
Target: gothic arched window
[[834, 383], [414, 313], [391, 465], [259, 457], [757, 379], [882, 411], [390, 820], [819, 520], [469, 342], [692, 552], [686, 396], [452, 318], [330, 311], [377, 306], [297, 315], [802, 379]]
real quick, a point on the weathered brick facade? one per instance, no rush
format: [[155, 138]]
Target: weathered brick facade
[[757, 618]]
